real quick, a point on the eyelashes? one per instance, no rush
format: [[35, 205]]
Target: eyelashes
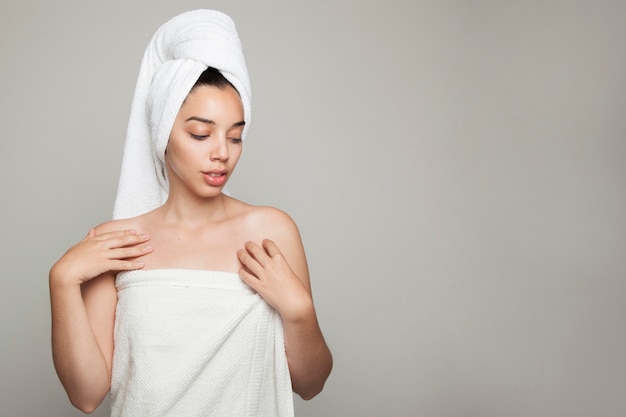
[[199, 137], [203, 137]]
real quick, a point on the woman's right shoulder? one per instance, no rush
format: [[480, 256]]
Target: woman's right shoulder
[[134, 223]]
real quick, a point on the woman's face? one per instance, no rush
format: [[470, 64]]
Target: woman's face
[[205, 142]]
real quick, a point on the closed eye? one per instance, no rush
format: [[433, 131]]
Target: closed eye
[[199, 137]]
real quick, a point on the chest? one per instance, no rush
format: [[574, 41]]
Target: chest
[[202, 249]]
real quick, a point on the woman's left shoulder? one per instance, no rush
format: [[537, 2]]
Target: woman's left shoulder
[[267, 213], [271, 215], [271, 221]]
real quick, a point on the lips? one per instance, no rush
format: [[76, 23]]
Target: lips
[[215, 178]]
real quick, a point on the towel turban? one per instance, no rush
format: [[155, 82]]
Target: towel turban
[[180, 50]]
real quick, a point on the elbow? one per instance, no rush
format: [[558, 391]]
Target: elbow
[[311, 389], [88, 410], [310, 392], [85, 408], [84, 405], [84, 394]]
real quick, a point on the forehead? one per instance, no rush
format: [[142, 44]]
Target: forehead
[[212, 101]]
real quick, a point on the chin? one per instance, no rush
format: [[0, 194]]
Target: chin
[[214, 192]]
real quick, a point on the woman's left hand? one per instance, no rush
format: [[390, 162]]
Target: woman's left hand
[[266, 271]]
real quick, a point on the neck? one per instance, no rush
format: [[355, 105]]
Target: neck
[[194, 212]]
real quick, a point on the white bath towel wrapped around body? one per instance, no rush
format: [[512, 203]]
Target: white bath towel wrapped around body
[[192, 343]]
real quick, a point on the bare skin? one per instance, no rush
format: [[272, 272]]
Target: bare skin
[[197, 228]]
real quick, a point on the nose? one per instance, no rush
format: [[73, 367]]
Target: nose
[[219, 149]]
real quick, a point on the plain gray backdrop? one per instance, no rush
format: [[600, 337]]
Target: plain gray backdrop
[[456, 168]]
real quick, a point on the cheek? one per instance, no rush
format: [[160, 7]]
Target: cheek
[[235, 154], [178, 157]]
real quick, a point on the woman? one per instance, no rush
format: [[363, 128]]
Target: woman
[[202, 305]]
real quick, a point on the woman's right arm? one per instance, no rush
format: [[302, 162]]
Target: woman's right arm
[[83, 299]]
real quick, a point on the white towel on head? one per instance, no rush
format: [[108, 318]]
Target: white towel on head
[[177, 54]]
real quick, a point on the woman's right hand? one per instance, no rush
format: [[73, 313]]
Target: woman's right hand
[[100, 253]]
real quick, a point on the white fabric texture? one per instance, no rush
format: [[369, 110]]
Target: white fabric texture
[[196, 343], [177, 54]]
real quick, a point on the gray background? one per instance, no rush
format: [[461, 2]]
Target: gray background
[[456, 169]]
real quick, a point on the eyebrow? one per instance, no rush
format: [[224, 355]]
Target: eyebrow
[[211, 122]]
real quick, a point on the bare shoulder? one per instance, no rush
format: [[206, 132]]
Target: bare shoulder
[[276, 225], [271, 222], [135, 223], [270, 214]]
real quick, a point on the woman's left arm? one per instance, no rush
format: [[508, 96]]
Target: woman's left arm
[[281, 277]]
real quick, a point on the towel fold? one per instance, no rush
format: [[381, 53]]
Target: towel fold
[[196, 343], [177, 54]]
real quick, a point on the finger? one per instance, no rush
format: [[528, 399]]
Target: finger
[[252, 281], [257, 252], [121, 265], [91, 233], [126, 240], [271, 248], [249, 262], [116, 233], [129, 252]]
